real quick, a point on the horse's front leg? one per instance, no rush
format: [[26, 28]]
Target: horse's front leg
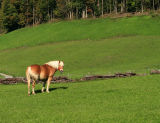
[[44, 83], [33, 86], [48, 83]]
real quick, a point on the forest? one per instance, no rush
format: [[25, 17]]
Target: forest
[[15, 14]]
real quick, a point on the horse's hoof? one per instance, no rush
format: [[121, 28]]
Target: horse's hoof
[[47, 91], [28, 94], [34, 93]]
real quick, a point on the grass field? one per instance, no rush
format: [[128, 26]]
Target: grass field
[[93, 29], [100, 46], [125, 100], [87, 47], [133, 53]]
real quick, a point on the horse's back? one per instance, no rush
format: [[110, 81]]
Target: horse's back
[[40, 71], [36, 68]]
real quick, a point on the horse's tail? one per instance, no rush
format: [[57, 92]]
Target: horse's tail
[[28, 77]]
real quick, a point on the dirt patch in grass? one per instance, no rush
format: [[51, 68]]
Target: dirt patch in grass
[[64, 79]]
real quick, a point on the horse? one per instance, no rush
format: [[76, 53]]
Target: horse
[[43, 73]]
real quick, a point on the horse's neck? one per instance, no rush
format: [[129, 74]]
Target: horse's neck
[[53, 64]]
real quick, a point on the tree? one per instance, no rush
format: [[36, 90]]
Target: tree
[[123, 6], [102, 8], [15, 14], [142, 6], [115, 6], [10, 16]]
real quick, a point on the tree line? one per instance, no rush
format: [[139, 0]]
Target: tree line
[[16, 14]]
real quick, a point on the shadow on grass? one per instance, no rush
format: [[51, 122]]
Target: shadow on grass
[[51, 89]]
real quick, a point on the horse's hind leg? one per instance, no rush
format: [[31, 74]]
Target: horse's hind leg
[[44, 83], [29, 87], [33, 86], [28, 79]]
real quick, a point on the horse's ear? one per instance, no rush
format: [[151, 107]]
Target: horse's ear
[[59, 62]]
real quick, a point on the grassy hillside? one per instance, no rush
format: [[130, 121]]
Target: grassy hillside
[[100, 46], [109, 46], [81, 30], [126, 100], [133, 53]]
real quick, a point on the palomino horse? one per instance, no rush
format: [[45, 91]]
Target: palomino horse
[[42, 72]]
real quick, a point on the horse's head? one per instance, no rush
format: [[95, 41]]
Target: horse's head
[[60, 66]]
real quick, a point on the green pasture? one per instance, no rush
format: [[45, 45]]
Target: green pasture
[[124, 100], [87, 57], [93, 29], [87, 47]]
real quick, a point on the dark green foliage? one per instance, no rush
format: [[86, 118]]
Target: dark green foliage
[[16, 14], [10, 16]]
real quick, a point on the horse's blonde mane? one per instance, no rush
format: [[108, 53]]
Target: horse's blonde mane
[[55, 64]]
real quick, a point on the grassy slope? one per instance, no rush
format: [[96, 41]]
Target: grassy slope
[[80, 30], [137, 48], [133, 53], [133, 99], [125, 100]]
